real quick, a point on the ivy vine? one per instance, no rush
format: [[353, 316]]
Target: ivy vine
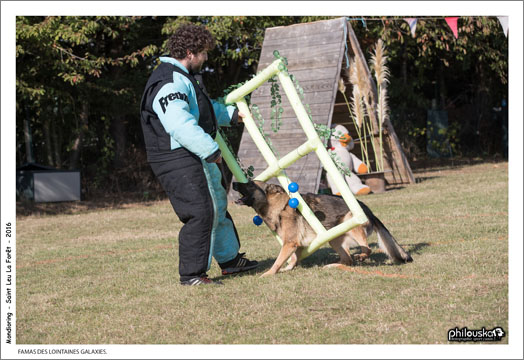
[[248, 171], [323, 131], [276, 105]]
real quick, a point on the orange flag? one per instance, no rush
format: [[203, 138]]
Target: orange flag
[[452, 22]]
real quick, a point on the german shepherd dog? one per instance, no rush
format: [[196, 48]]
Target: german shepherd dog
[[270, 201]]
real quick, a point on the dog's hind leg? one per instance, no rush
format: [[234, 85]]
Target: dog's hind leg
[[343, 251], [359, 236], [287, 250]]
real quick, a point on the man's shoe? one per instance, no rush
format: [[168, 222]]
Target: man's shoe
[[238, 264], [201, 280]]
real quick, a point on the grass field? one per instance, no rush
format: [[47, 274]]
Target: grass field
[[110, 275]]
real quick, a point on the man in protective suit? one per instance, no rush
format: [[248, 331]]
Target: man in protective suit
[[179, 122]]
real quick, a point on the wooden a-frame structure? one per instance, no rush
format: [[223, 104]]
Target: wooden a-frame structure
[[316, 54]]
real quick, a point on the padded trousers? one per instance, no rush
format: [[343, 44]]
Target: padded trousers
[[199, 200]]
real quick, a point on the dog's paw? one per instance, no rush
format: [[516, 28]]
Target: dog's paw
[[360, 257], [287, 268]]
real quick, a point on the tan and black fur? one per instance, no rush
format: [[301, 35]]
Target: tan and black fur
[[270, 201]]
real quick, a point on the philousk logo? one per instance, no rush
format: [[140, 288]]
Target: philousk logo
[[465, 334]]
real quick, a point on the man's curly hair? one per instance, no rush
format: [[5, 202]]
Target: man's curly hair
[[190, 37]]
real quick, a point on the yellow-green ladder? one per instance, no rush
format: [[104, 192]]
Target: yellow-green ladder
[[276, 166]]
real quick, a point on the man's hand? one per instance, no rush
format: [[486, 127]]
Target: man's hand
[[218, 160], [241, 117]]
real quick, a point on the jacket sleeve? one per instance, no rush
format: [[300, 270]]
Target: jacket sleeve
[[171, 105], [226, 115]]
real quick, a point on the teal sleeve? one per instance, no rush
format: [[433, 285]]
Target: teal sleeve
[[171, 104], [223, 113]]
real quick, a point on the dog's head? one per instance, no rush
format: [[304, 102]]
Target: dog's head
[[253, 193], [256, 193]]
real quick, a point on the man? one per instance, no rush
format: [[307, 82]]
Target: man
[[179, 122]]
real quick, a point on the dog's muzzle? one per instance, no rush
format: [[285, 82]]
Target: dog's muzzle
[[236, 186], [246, 199]]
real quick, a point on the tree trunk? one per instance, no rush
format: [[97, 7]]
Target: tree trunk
[[238, 68], [57, 142], [118, 120], [404, 65], [78, 142], [482, 100], [28, 139], [404, 76], [118, 129], [48, 144], [442, 100]]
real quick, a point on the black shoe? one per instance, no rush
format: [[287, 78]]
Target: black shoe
[[201, 280], [238, 264]]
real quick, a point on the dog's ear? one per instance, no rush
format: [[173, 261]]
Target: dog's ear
[[260, 184]]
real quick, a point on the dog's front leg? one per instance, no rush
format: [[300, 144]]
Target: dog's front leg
[[287, 250], [293, 260]]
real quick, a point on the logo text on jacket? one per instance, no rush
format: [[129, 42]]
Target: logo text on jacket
[[173, 96]]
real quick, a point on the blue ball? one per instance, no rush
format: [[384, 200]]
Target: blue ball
[[293, 187], [257, 220], [293, 203]]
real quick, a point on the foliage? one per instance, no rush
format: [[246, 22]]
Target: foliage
[[468, 74], [76, 78], [79, 81]]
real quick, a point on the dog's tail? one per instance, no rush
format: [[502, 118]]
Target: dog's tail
[[386, 241]]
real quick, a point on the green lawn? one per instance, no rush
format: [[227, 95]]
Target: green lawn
[[110, 275]]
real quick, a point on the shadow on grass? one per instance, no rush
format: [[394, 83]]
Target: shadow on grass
[[327, 255], [431, 164], [263, 266], [421, 179], [120, 201], [394, 188]]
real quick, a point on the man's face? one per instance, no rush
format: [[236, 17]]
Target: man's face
[[197, 60]]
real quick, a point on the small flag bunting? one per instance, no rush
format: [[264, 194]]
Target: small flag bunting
[[452, 22], [504, 23], [412, 22]]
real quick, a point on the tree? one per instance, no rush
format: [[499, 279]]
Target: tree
[[239, 43], [470, 71], [76, 82]]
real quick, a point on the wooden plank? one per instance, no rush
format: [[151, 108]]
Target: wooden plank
[[311, 99], [308, 86], [315, 74], [304, 52], [319, 109], [304, 40], [297, 30], [307, 62]]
